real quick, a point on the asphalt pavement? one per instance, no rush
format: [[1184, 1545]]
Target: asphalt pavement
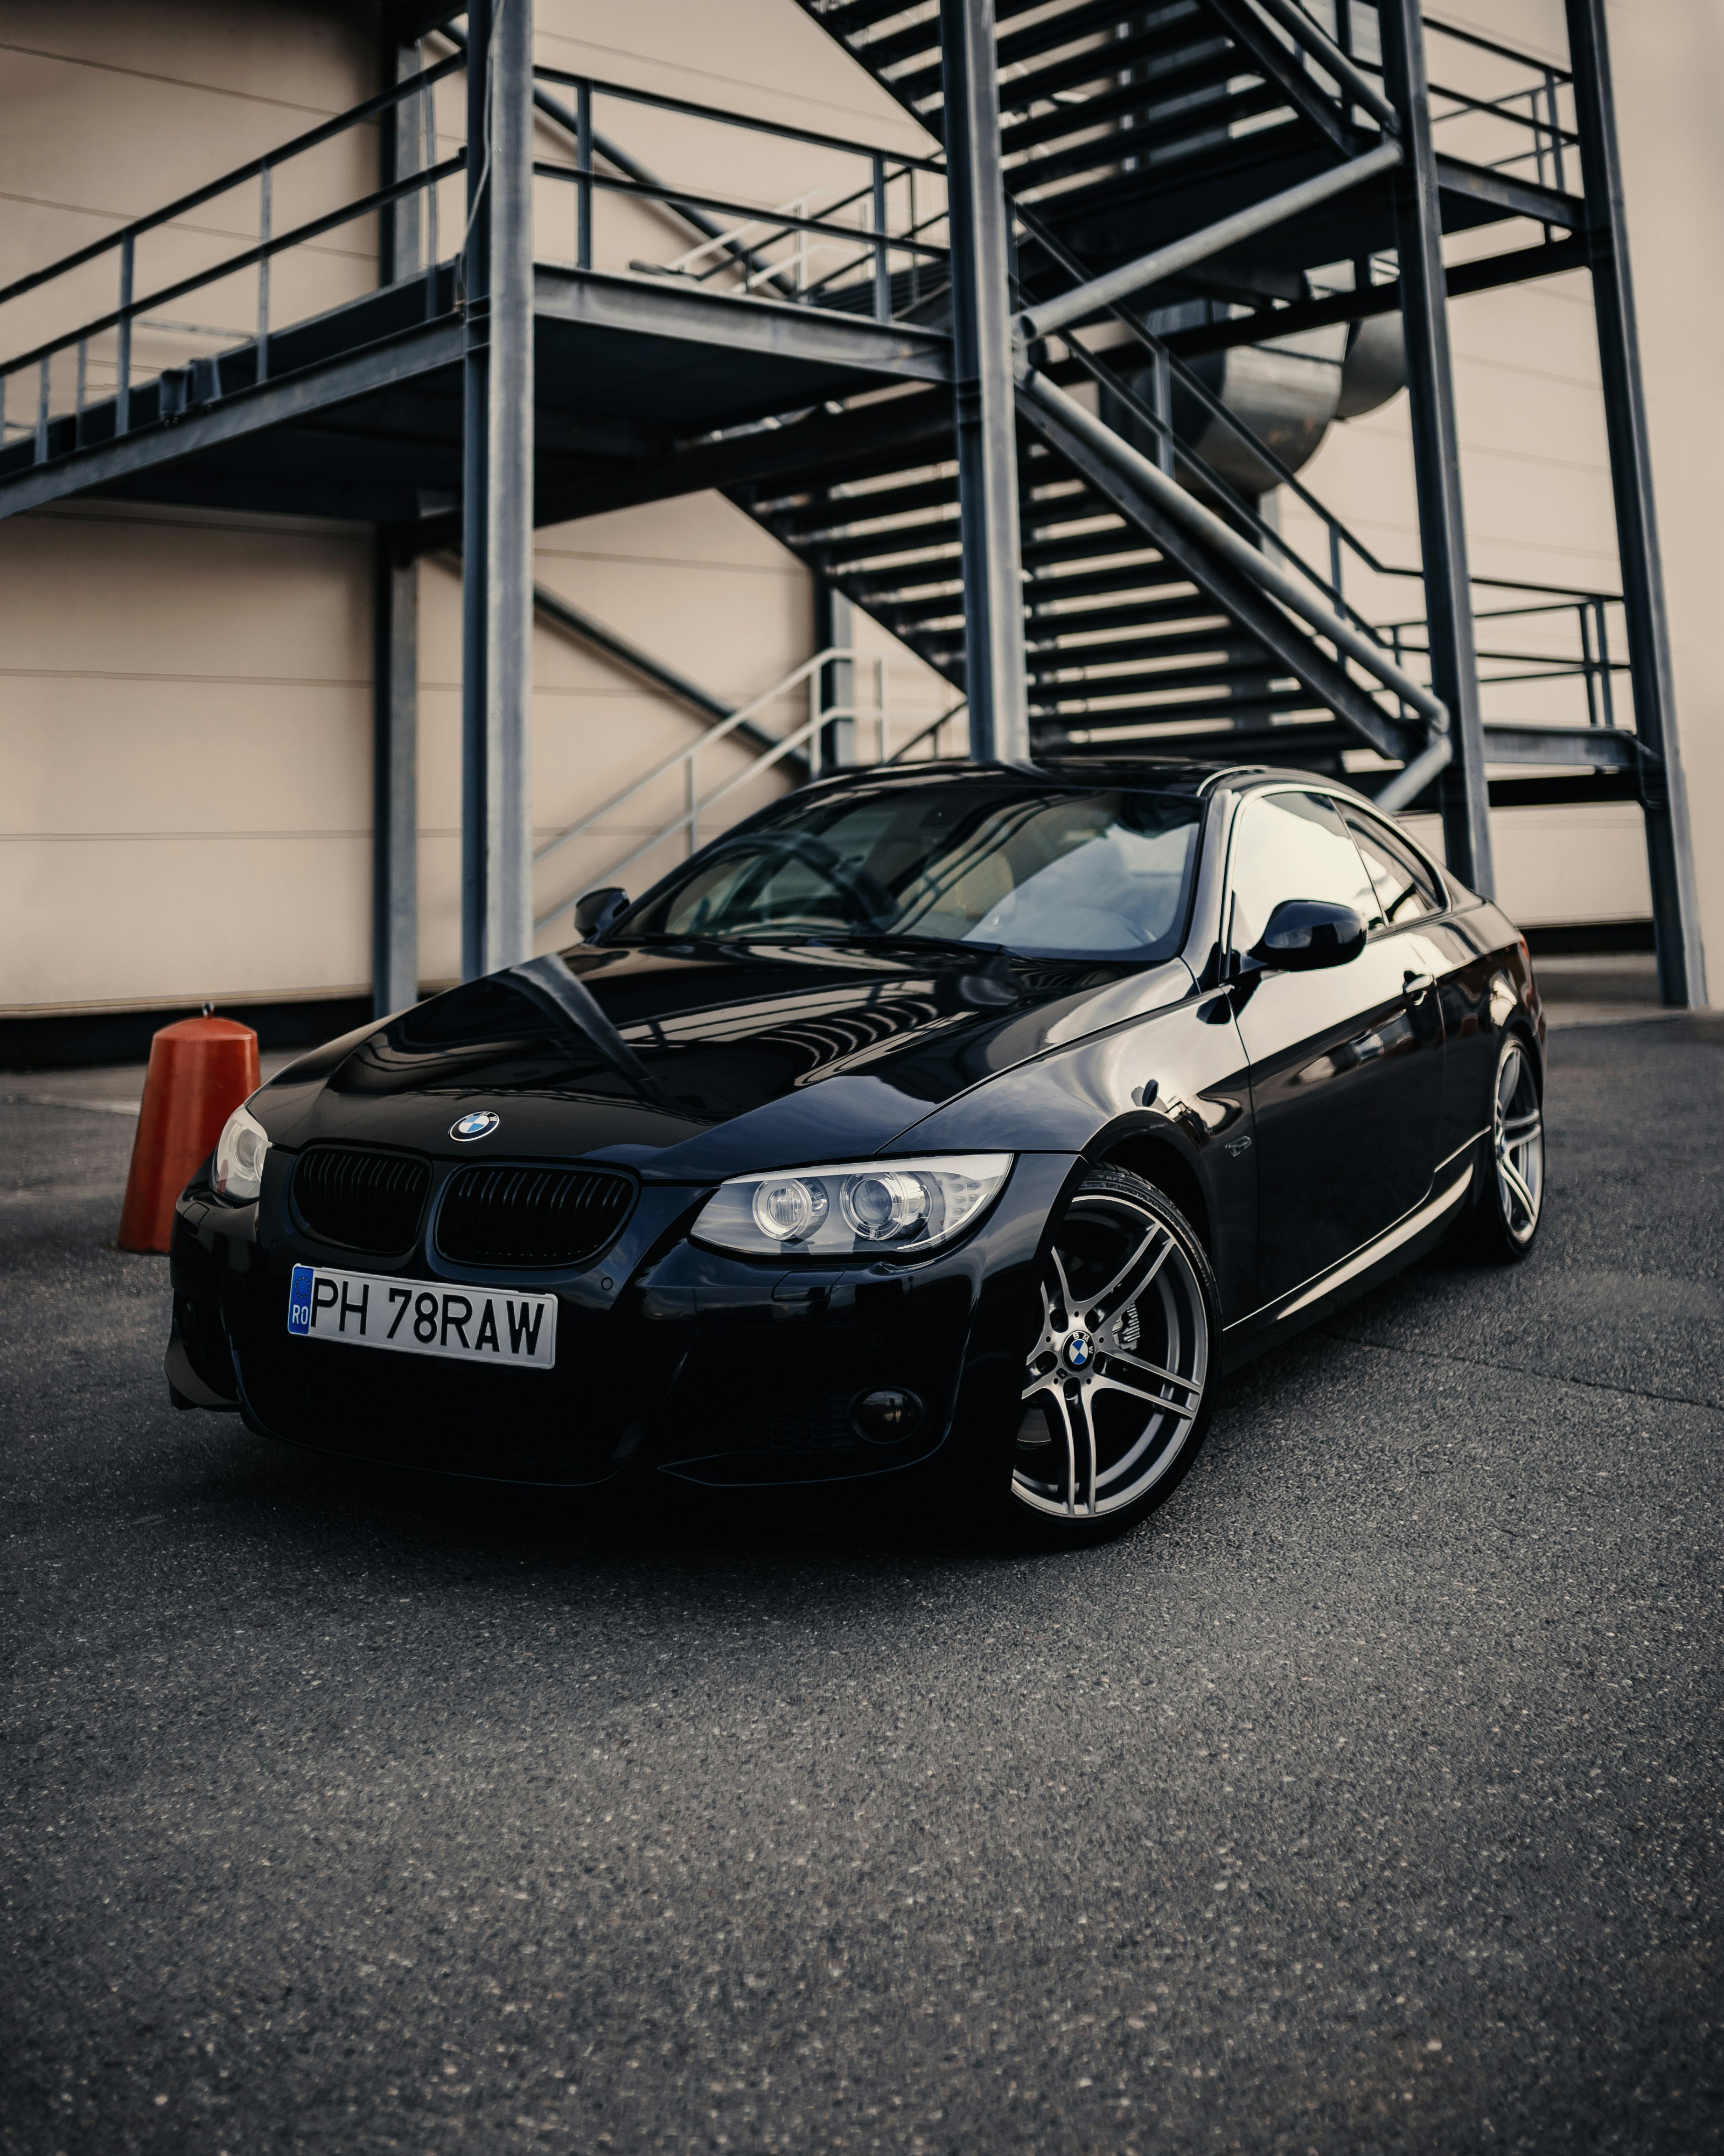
[[1369, 1800]]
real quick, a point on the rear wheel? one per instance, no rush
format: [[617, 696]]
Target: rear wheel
[[1117, 1385], [1508, 1188]]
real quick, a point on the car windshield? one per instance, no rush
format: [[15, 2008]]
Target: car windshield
[[1043, 872]]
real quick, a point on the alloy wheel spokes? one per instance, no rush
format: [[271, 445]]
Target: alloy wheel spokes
[[1115, 1381], [1517, 1141], [1511, 1176], [1108, 1379], [1132, 1278]]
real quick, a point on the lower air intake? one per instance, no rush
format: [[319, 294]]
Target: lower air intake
[[531, 1216]]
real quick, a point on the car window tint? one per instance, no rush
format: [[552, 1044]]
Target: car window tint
[[978, 859], [1292, 845], [1405, 886]]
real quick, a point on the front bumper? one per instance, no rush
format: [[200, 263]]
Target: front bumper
[[721, 1372]]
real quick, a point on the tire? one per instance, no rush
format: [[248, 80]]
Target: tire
[[1508, 1182], [1119, 1382]]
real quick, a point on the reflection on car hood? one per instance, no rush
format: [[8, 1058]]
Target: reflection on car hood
[[698, 1060]]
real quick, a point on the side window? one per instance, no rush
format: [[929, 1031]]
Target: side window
[[1292, 845], [1405, 886]]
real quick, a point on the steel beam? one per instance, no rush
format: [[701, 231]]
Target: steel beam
[[237, 418], [834, 629], [1436, 449], [497, 549], [983, 401], [1230, 574], [395, 792], [1669, 854], [1602, 748], [1131, 278], [479, 838], [816, 337]]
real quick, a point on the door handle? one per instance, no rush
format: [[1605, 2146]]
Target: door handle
[[1414, 985]]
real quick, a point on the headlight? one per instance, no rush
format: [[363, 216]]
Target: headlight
[[239, 1157], [860, 1210]]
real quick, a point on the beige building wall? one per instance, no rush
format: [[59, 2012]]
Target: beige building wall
[[185, 754]]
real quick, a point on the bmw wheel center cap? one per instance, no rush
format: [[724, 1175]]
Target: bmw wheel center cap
[[1079, 1351], [479, 1125]]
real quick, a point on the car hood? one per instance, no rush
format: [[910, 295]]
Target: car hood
[[694, 1060]]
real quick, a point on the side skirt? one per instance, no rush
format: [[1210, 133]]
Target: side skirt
[[1407, 1240]]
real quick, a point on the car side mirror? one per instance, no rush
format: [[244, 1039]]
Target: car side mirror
[[596, 910], [1306, 934]]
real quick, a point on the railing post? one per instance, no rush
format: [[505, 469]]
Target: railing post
[[1604, 663], [263, 220], [397, 156], [882, 260], [1583, 613], [1669, 854], [395, 797], [983, 393], [429, 153], [1436, 449], [43, 390], [584, 185], [122, 394], [1161, 403]]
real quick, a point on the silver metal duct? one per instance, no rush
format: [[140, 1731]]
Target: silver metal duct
[[1288, 392]]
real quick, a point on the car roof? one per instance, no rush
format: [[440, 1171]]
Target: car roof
[[1164, 774]]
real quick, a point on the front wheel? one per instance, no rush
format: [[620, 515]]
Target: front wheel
[[1117, 1385]]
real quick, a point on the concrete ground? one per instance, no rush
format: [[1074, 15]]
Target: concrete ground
[[1369, 1800]]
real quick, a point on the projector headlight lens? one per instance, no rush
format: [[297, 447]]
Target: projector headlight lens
[[239, 1158], [858, 1209]]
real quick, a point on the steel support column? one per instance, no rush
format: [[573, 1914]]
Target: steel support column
[[395, 791], [497, 504], [984, 401], [834, 627], [1669, 855], [1436, 449]]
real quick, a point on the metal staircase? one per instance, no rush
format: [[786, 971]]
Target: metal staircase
[[1131, 636]]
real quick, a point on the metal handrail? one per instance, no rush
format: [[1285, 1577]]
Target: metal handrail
[[722, 732], [809, 733], [633, 95], [326, 131]]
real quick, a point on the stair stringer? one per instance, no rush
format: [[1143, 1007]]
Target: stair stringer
[[1253, 610]]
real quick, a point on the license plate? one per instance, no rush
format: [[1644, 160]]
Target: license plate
[[420, 1318]]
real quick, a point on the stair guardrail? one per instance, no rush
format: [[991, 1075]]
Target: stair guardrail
[[131, 310], [809, 737], [876, 241]]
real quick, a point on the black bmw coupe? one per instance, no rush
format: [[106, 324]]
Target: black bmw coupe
[[938, 1137]]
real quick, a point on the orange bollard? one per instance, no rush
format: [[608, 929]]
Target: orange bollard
[[200, 1071]]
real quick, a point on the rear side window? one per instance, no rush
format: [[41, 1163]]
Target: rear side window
[[1406, 888]]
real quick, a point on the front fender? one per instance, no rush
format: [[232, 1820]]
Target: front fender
[[1174, 1083]]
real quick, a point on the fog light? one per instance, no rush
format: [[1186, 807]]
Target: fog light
[[886, 1414]]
